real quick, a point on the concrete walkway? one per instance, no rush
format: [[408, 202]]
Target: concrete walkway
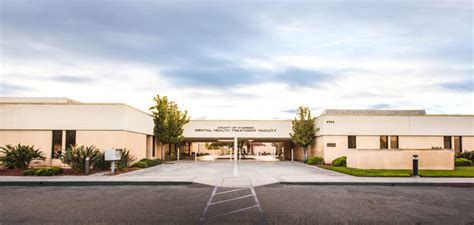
[[224, 173], [228, 174]]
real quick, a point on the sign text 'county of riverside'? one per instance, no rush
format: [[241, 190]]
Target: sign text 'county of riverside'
[[235, 129]]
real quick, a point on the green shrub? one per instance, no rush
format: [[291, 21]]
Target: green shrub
[[463, 162], [19, 156], [315, 161], [125, 159], [341, 161], [76, 157], [140, 165], [145, 163], [47, 171], [28, 172], [101, 164], [467, 155]]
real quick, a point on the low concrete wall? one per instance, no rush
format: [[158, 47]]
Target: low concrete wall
[[400, 159]]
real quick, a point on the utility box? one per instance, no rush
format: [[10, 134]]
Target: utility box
[[113, 154]]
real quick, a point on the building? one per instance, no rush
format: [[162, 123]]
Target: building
[[385, 139], [53, 124]]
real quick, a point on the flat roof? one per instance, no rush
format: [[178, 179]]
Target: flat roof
[[373, 112]]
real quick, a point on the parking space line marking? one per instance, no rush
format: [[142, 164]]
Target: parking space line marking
[[231, 212], [232, 199], [263, 219], [224, 192], [207, 205]]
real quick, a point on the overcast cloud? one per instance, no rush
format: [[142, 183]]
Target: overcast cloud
[[248, 60]]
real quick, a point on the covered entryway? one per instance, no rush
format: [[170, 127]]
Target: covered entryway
[[236, 149], [214, 140]]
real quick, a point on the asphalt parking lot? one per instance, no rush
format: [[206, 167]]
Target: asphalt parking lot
[[272, 204]]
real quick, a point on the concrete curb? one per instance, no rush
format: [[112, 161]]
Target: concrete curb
[[322, 183], [93, 183]]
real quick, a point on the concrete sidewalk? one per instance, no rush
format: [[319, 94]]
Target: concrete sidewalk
[[229, 174]]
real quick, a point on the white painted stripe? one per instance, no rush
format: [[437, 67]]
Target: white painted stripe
[[231, 212], [232, 199], [224, 192]]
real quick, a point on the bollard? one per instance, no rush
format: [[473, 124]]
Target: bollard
[[86, 166], [292, 155], [415, 165]]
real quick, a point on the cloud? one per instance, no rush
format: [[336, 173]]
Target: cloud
[[72, 79], [7, 88], [258, 58], [381, 106], [466, 85]]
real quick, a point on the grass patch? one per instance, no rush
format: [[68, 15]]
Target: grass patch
[[460, 171], [369, 173]]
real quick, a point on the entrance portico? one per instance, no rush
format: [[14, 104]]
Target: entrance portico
[[238, 139]]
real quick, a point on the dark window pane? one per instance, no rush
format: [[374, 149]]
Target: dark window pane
[[352, 142], [447, 142], [70, 138], [383, 142], [457, 144], [153, 147], [394, 142], [57, 143]]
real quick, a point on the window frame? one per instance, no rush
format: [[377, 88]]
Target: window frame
[[55, 144], [386, 141], [354, 146], [68, 141], [397, 142], [450, 143]]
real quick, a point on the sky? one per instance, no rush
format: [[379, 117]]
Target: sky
[[242, 60]]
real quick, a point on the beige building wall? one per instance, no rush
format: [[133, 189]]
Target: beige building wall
[[317, 149], [468, 144], [420, 142], [366, 142], [400, 159], [331, 153], [41, 139], [136, 143]]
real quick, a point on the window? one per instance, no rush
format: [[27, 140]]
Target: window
[[383, 142], [457, 144], [447, 142], [153, 147], [57, 143], [330, 121], [352, 142], [70, 138], [393, 142], [331, 144]]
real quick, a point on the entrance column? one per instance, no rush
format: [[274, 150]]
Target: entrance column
[[236, 147]]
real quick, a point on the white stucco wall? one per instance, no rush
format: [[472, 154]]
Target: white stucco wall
[[426, 125], [74, 117]]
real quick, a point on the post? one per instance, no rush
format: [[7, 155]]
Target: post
[[86, 166], [282, 153], [196, 154], [258, 154], [178, 155], [236, 147], [415, 165], [112, 167], [292, 154]]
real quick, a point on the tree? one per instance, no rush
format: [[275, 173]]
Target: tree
[[304, 130], [169, 122]]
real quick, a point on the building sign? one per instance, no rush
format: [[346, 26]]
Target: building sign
[[238, 128], [234, 129], [331, 144]]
